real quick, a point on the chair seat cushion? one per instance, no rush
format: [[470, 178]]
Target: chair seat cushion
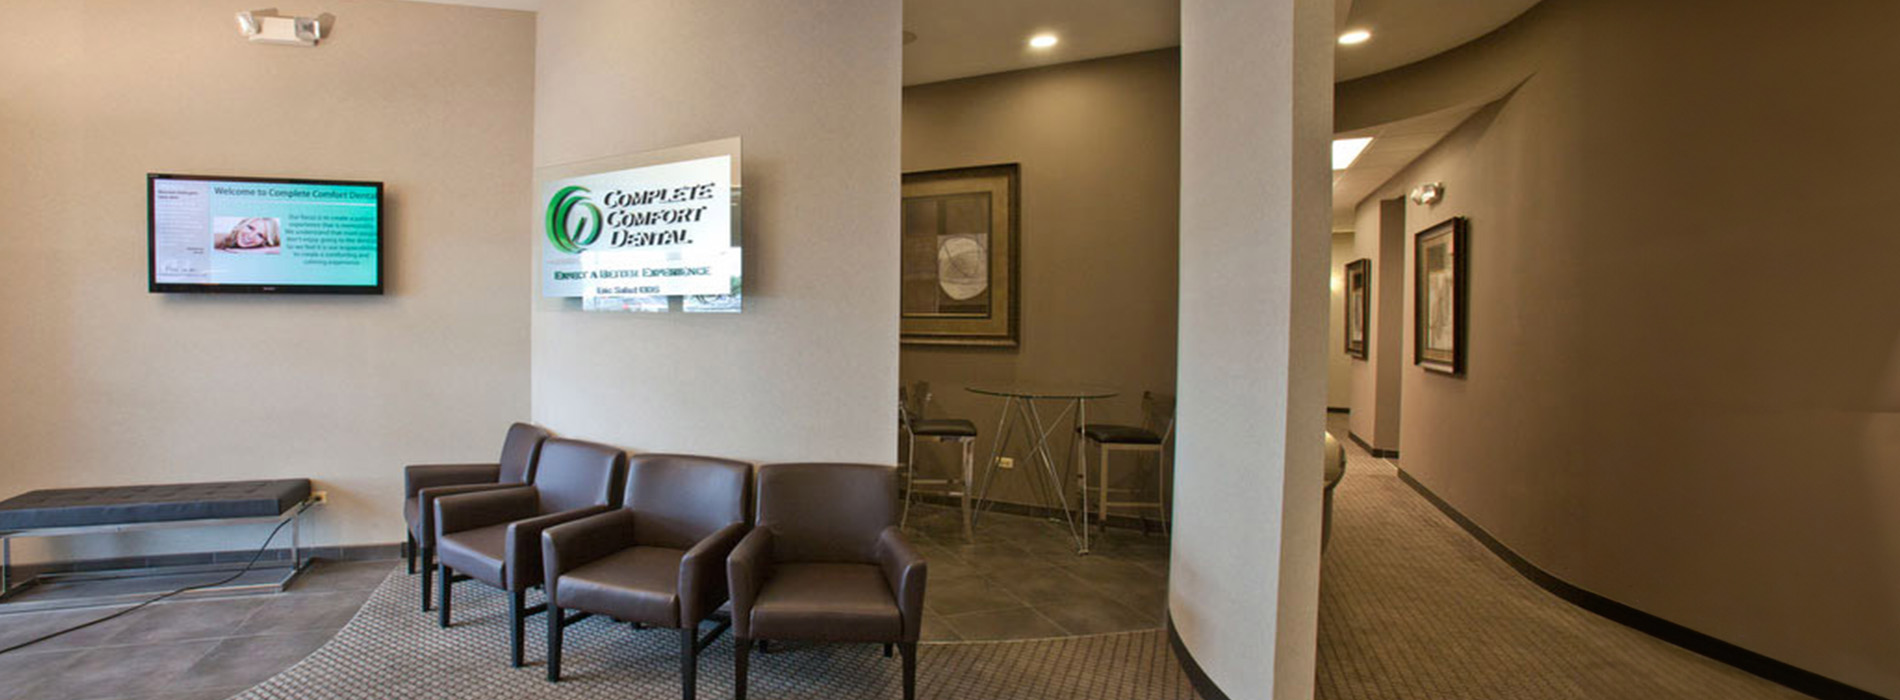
[[944, 427], [827, 602], [481, 553], [637, 584], [1120, 434]]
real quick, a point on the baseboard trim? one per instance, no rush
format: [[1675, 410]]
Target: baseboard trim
[[1197, 677], [1367, 446], [1338, 409], [1121, 521], [1767, 668]]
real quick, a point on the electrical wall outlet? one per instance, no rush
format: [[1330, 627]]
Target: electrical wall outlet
[[320, 497], [1005, 463]]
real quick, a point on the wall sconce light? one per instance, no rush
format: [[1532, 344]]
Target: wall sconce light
[[1428, 193], [267, 27]]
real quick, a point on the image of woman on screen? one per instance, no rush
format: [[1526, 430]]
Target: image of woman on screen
[[253, 234]]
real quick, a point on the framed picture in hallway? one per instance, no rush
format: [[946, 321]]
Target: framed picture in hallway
[[1438, 297], [958, 257], [1358, 306]]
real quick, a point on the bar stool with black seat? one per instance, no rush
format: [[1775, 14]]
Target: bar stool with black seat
[[1150, 437], [917, 425], [826, 562], [423, 483], [495, 536], [658, 560]]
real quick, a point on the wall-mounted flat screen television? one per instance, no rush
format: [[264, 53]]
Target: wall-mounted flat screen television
[[263, 235]]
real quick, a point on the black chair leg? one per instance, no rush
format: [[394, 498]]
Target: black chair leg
[[689, 662], [741, 653], [444, 578], [409, 551], [517, 621], [910, 670], [555, 633], [428, 570], [887, 650]]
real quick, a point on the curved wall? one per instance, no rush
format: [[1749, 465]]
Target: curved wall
[[1684, 350], [1243, 574]]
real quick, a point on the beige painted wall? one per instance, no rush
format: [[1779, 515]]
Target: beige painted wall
[[1338, 363], [808, 371], [1099, 145], [1682, 393], [105, 384], [1256, 117], [1375, 380]]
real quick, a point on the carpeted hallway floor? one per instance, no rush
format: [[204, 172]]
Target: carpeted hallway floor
[[1411, 607]]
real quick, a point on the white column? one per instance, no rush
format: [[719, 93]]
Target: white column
[[1256, 112]]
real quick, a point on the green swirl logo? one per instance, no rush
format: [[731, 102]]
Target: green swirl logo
[[573, 220]]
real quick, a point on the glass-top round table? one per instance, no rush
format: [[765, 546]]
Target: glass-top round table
[[1043, 391], [1074, 400]]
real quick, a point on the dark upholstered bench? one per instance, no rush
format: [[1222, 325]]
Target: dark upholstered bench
[[76, 511]]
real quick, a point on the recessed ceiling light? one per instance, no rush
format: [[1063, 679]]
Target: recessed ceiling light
[[1042, 41], [1345, 151], [1356, 36]]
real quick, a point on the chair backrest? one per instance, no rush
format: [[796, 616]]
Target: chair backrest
[[519, 451], [1157, 413], [677, 500], [912, 402], [575, 474], [827, 512]]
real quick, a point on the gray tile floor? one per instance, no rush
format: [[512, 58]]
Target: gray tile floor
[[185, 650], [1021, 578]]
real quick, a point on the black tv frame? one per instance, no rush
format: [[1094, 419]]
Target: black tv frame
[[153, 286]]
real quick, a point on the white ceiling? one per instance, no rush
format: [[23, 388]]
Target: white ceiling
[[527, 5], [1393, 147], [1407, 31], [962, 38]]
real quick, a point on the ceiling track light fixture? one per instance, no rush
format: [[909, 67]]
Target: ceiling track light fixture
[[1428, 193], [268, 27]]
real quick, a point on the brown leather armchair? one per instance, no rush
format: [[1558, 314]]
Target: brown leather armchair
[[495, 536], [828, 563], [423, 483], [659, 560]]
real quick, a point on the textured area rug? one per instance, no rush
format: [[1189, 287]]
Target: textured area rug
[[393, 650], [1413, 607]]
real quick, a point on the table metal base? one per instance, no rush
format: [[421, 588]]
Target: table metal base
[[269, 577], [1030, 417]]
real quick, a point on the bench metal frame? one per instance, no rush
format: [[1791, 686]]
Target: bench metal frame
[[9, 588]]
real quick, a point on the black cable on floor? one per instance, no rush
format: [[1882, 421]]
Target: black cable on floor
[[233, 577]]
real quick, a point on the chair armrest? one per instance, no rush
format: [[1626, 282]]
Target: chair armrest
[[523, 553], [703, 585], [746, 570], [426, 498], [417, 477], [467, 511], [905, 570], [572, 545]]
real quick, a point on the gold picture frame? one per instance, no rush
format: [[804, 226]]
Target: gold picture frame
[[959, 260]]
